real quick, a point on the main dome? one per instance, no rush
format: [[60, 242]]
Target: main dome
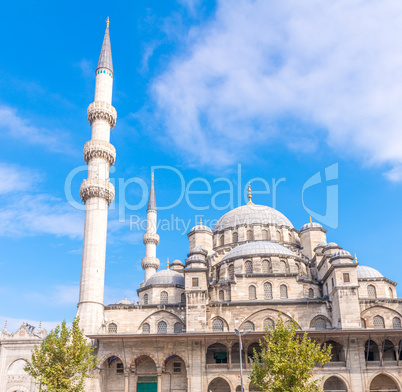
[[251, 214]]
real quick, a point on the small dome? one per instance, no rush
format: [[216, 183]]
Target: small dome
[[198, 250], [311, 225], [261, 248], [341, 252], [166, 278], [364, 272], [177, 262], [200, 228], [124, 301], [251, 214], [332, 245], [321, 245]]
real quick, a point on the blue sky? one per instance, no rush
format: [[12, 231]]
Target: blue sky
[[283, 90]]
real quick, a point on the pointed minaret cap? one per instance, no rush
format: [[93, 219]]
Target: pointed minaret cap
[[105, 58], [151, 201]]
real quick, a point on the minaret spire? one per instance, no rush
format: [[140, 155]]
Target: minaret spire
[[97, 193], [150, 263]]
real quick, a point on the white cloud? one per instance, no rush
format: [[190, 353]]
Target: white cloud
[[16, 179], [332, 68]]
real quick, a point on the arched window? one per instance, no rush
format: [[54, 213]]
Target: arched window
[[333, 384], [183, 298], [146, 328], [112, 328], [268, 323], [265, 235], [266, 267], [248, 326], [378, 322], [371, 291], [221, 295], [283, 267], [235, 237], [164, 297], [290, 237], [162, 327], [250, 236], [218, 273], [283, 291], [298, 268], [391, 292], [217, 325], [267, 290], [278, 235], [252, 292], [311, 293], [222, 239], [371, 352], [396, 323], [231, 271], [145, 299], [248, 267], [178, 328], [320, 323], [363, 323]]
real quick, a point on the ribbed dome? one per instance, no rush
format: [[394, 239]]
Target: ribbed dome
[[124, 301], [260, 248], [341, 252], [200, 228], [177, 262], [167, 278], [311, 225], [367, 272], [251, 214]]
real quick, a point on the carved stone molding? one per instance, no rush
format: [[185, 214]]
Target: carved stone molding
[[97, 188], [102, 110], [99, 149], [17, 378], [150, 238], [148, 262]]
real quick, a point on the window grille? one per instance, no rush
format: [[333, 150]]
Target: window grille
[[265, 267], [311, 293], [164, 297], [178, 328], [283, 267], [221, 295], [252, 293], [231, 271], [146, 328], [320, 323], [183, 298], [283, 291], [378, 322], [217, 325], [268, 323], [112, 328], [248, 267], [396, 323], [248, 326], [146, 299], [267, 290], [235, 237], [371, 291], [162, 327], [176, 367]]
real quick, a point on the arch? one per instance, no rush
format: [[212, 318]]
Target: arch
[[311, 293], [320, 322], [283, 267], [235, 237], [390, 292], [145, 365], [112, 328], [146, 328], [145, 299], [219, 384], [174, 377], [183, 298], [337, 352], [222, 240], [248, 267], [217, 353], [283, 291], [371, 352], [112, 369], [269, 324], [136, 359], [265, 235], [378, 322], [249, 326], [17, 367], [396, 323], [218, 325], [250, 350], [363, 323], [164, 297], [266, 267], [231, 271], [250, 235], [335, 384], [388, 351], [384, 382], [162, 327], [371, 291], [252, 292], [221, 295], [238, 388], [267, 290], [178, 328]]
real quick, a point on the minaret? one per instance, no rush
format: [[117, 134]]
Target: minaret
[[97, 193], [150, 263]]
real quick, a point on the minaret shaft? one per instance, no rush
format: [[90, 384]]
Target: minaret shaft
[[97, 193]]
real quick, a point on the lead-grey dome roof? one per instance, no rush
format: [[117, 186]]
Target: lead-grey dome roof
[[200, 228], [367, 272], [251, 214], [166, 278], [259, 248], [311, 225]]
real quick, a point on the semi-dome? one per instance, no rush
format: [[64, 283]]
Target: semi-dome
[[311, 225], [166, 278], [364, 272], [259, 248], [251, 214], [200, 228]]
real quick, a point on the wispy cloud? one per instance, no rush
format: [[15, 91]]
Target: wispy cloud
[[16, 179], [21, 128], [334, 69]]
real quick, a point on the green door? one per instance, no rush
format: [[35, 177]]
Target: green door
[[147, 384]]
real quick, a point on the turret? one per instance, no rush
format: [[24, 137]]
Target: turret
[[311, 235], [201, 235], [150, 263], [97, 193]]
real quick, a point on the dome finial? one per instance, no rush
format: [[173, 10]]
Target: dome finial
[[167, 264], [355, 258], [310, 219], [249, 194], [107, 22], [200, 221]]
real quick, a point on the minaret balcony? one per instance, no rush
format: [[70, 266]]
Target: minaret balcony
[[95, 187], [100, 110], [150, 238], [150, 262], [99, 149]]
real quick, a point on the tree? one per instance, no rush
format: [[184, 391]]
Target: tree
[[63, 361], [285, 362]]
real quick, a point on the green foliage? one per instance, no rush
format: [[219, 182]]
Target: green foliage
[[286, 361], [63, 361]]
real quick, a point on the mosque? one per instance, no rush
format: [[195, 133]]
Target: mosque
[[240, 274]]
